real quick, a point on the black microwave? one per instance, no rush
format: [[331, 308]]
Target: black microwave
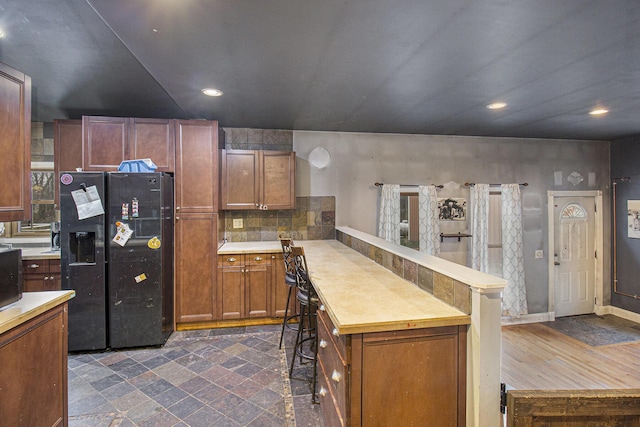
[[10, 276]]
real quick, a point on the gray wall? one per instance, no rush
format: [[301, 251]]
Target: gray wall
[[359, 160], [624, 163]]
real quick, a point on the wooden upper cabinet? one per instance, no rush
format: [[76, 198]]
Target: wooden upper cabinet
[[278, 171], [153, 139], [258, 179], [240, 179], [107, 141], [67, 149], [196, 183], [15, 144]]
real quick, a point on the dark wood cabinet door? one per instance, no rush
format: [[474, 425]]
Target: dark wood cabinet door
[[153, 139], [104, 142], [15, 144], [257, 282], [231, 293], [67, 149], [195, 267], [278, 172], [33, 384], [239, 181], [196, 166]]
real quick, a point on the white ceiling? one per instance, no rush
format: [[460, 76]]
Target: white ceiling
[[388, 66]]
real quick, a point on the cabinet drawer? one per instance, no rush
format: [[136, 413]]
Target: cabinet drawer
[[35, 266], [231, 260], [331, 413], [257, 259], [333, 367], [339, 341]]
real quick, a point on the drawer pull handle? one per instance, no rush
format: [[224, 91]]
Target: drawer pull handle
[[322, 307], [258, 258], [231, 260], [322, 392], [34, 266], [335, 332], [323, 344], [335, 376]]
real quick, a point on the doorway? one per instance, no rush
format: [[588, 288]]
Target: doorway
[[575, 252]]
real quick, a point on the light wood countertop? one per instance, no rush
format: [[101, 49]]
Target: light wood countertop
[[39, 253], [361, 296], [250, 247], [31, 305]]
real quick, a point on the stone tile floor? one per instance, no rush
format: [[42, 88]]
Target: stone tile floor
[[216, 377]]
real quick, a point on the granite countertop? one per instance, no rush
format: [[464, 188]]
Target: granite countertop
[[361, 296], [250, 247], [31, 305]]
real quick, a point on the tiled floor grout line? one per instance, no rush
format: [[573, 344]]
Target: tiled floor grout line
[[290, 413]]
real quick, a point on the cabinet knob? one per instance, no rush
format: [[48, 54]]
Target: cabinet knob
[[258, 258], [323, 344], [46, 278], [231, 259], [335, 376], [322, 392], [265, 207], [177, 218], [321, 308], [335, 332], [273, 257], [34, 266], [177, 208]]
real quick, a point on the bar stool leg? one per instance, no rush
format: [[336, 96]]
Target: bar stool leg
[[286, 316]]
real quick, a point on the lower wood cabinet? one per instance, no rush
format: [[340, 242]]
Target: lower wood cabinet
[[196, 243], [33, 383], [406, 377], [251, 286], [41, 275]]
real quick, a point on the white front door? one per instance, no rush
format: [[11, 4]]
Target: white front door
[[574, 255]]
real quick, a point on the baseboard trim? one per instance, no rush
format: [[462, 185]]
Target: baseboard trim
[[529, 318], [617, 311]]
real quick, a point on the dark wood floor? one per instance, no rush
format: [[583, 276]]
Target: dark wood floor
[[536, 357]]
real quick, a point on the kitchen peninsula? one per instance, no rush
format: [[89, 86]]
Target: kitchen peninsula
[[33, 360], [376, 293], [389, 353]]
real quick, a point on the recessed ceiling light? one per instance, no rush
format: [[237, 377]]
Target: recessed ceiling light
[[496, 105], [598, 111], [212, 92], [1, 33]]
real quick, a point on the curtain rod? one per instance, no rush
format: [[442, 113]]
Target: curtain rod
[[380, 184], [471, 184]]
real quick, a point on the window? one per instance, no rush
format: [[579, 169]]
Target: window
[[495, 232], [409, 228], [42, 203]]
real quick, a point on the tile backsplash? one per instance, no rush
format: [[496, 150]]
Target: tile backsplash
[[313, 219]]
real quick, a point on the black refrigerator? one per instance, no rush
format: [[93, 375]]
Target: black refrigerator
[[116, 243]]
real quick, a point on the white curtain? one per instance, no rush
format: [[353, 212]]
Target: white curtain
[[480, 227], [514, 297], [428, 219], [389, 218]]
